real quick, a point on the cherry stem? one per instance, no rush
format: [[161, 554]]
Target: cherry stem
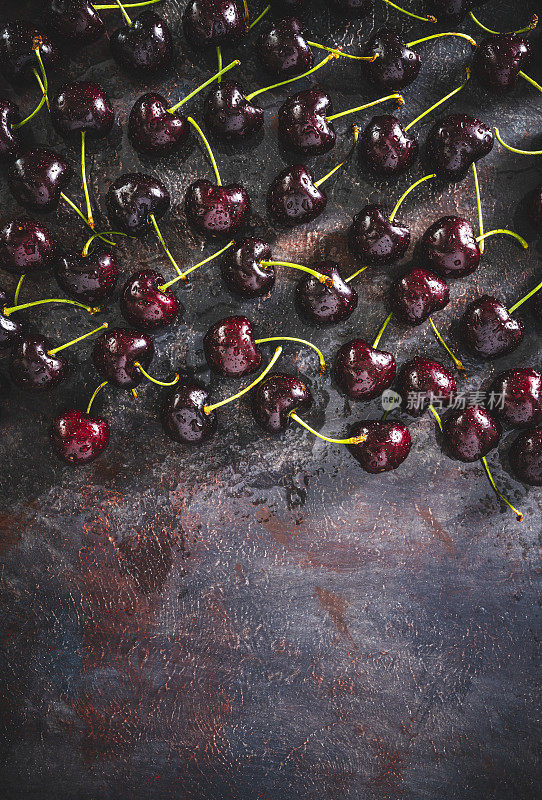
[[56, 350], [459, 364], [95, 392], [134, 394], [218, 75], [532, 24], [398, 97], [530, 80], [11, 309], [438, 103], [155, 380], [515, 149], [325, 279], [124, 13], [208, 147], [519, 515], [381, 331], [183, 275], [164, 245], [405, 194], [436, 415], [126, 5], [255, 382], [38, 108], [516, 236], [334, 170], [323, 365], [438, 35], [80, 214], [219, 59], [90, 219], [355, 274], [84, 252], [478, 207], [351, 440], [259, 17], [45, 85], [428, 18], [524, 299], [18, 289], [339, 53], [324, 61]]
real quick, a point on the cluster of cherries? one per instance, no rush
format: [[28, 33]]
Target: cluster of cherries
[[449, 249]]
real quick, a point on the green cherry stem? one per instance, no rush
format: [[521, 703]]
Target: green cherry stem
[[436, 415], [259, 17], [164, 245], [101, 236], [208, 148], [323, 365], [38, 107], [438, 103], [478, 206], [337, 52], [325, 279], [80, 214], [398, 97], [334, 170], [355, 274], [458, 364], [216, 76], [207, 409], [18, 289], [320, 64], [56, 350], [381, 331], [11, 309], [519, 515], [351, 440], [93, 396], [532, 24], [126, 5], [124, 14], [44, 83], [516, 236], [438, 35], [405, 194], [90, 219], [219, 60], [183, 275], [155, 380], [530, 80], [427, 18], [515, 149], [524, 299]]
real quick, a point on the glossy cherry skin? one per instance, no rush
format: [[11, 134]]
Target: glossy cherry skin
[[9, 140], [451, 12], [182, 414], [115, 352], [82, 106], [326, 304], [455, 143], [145, 47], [449, 248], [241, 268], [303, 126], [17, 58], [275, 398], [534, 209], [518, 397], [132, 198], [397, 65], [469, 434], [362, 372], [497, 61], [26, 246], [11, 331], [488, 330], [75, 22], [32, 368], [212, 23], [352, 8], [229, 115], [424, 380], [78, 438], [153, 130], [229, 347], [144, 305], [385, 148], [375, 239], [37, 178], [283, 51], [293, 199], [387, 445], [217, 210], [417, 295], [89, 279], [525, 457]]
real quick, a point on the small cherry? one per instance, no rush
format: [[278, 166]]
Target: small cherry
[[325, 302], [362, 371], [34, 367], [25, 50], [498, 61], [470, 434], [385, 148], [422, 381], [145, 303], [525, 457], [386, 446], [133, 199], [82, 107], [75, 22], [143, 45], [456, 143], [417, 295], [37, 179], [26, 246], [242, 270], [534, 209], [212, 23], [517, 395], [283, 51], [119, 355], [10, 118], [88, 277], [276, 398], [77, 437], [11, 331]]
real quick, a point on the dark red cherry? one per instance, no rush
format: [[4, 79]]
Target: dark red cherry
[[417, 295], [115, 353], [132, 197], [146, 46], [397, 65], [303, 126], [241, 268], [283, 51], [90, 279], [325, 304], [352, 8], [82, 106], [375, 239], [293, 199], [11, 331], [423, 381], [525, 457], [470, 434], [276, 397], [9, 140], [455, 143], [31, 366], [387, 445], [75, 22], [385, 148], [78, 438], [451, 12], [182, 414], [217, 210], [488, 330], [229, 115], [230, 349], [153, 130], [535, 208], [17, 57], [362, 372], [517, 397], [498, 61], [449, 248], [146, 306], [37, 178], [212, 23], [26, 246]]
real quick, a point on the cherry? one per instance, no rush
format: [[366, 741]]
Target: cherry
[[88, 277], [488, 330], [535, 208], [325, 303], [386, 446], [353, 8], [375, 239], [26, 246], [146, 304], [115, 355], [397, 65], [37, 178], [152, 130], [283, 51], [11, 331], [78, 438], [498, 61], [303, 126], [75, 22], [231, 115], [525, 457], [294, 198], [82, 106], [131, 200], [455, 144], [230, 348], [450, 12], [417, 295], [362, 372], [242, 271], [517, 395], [211, 23], [470, 434], [144, 44], [9, 141], [274, 400], [449, 248], [183, 417], [385, 148], [422, 381], [17, 53], [217, 210], [33, 367]]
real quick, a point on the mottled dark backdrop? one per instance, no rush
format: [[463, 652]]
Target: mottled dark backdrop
[[260, 618]]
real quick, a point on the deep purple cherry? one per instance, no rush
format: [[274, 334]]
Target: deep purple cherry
[[449, 248], [375, 239], [17, 56], [363, 372], [37, 178], [352, 8], [230, 349], [283, 51], [11, 331], [26, 246], [82, 106], [276, 397], [517, 397], [303, 126], [78, 438], [470, 434], [498, 61], [525, 457], [145, 304], [385, 148], [535, 208], [488, 330], [212, 23], [228, 113], [132, 198], [325, 304], [451, 12], [397, 65], [91, 278], [183, 416], [422, 381], [242, 272], [145, 46], [293, 198], [9, 140], [115, 353], [32, 367], [455, 143], [153, 130], [75, 22], [217, 210], [417, 295], [387, 445]]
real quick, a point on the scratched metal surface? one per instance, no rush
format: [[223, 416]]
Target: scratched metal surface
[[260, 618]]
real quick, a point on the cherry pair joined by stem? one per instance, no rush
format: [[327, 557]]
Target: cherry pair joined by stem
[[78, 23]]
